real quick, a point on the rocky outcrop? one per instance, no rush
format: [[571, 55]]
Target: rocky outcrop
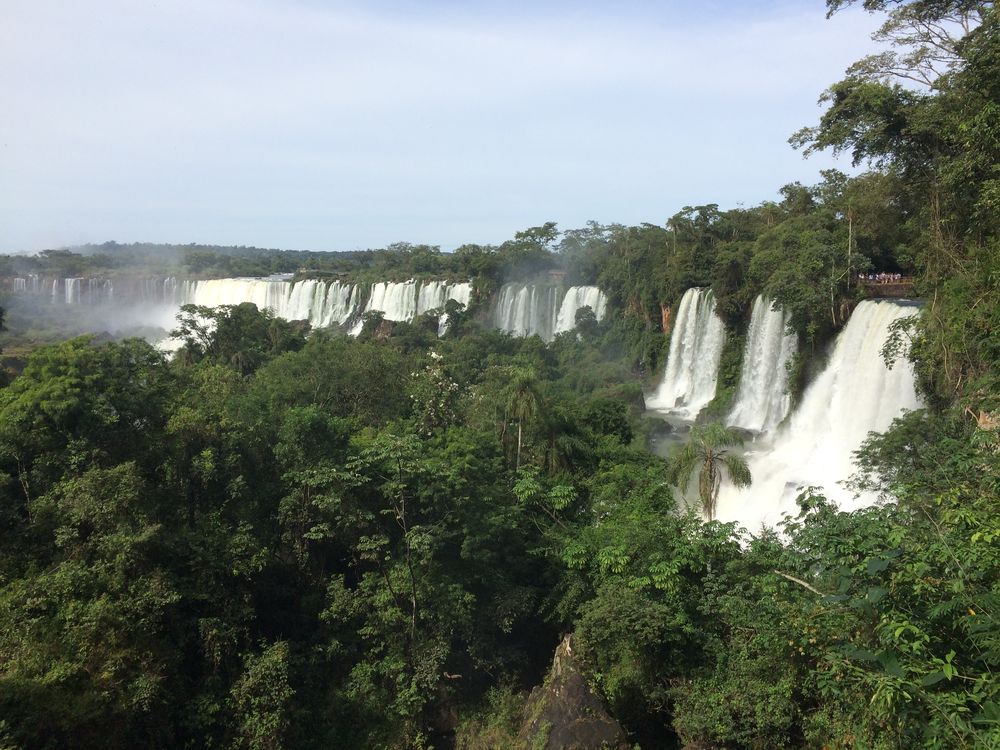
[[565, 714], [666, 318]]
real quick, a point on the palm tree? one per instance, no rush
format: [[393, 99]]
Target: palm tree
[[706, 452], [522, 402]]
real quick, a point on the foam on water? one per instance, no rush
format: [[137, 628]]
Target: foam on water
[[855, 394]]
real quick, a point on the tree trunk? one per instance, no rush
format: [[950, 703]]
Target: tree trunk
[[517, 461], [850, 246]]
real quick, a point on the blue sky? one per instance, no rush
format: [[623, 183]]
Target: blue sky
[[340, 125]]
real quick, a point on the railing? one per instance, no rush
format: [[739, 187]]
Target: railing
[[887, 286]]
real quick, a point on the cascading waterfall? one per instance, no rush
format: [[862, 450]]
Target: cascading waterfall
[[544, 309], [855, 394], [339, 301], [214, 292], [522, 309], [461, 293], [325, 304], [693, 361], [527, 309], [307, 300], [762, 399], [71, 287], [319, 303], [396, 301], [99, 291], [30, 284], [578, 297], [67, 291], [403, 301]]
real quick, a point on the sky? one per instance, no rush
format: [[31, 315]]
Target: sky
[[327, 125]]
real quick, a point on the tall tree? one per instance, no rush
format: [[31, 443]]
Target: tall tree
[[522, 403]]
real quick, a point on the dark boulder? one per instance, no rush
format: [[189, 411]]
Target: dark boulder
[[565, 714]]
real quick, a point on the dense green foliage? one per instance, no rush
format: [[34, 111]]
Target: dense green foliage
[[281, 538]]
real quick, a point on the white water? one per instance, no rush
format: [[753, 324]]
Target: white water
[[762, 399], [264, 293], [75, 290], [855, 394], [577, 297], [72, 290], [524, 310], [544, 309], [461, 293], [325, 304], [403, 301], [693, 362]]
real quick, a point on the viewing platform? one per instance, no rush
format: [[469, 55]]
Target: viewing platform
[[895, 289]]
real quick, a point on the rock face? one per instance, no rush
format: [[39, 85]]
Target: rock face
[[565, 714], [666, 318]]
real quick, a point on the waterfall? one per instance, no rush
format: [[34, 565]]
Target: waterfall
[[403, 301], [577, 297], [303, 300], [693, 362], [855, 394], [170, 290], [432, 295], [214, 292], [527, 309], [522, 309], [325, 303], [73, 290], [339, 303], [461, 293], [543, 309], [396, 301], [762, 399], [322, 303], [98, 291]]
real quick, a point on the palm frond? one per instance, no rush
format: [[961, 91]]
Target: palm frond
[[738, 471], [682, 465]]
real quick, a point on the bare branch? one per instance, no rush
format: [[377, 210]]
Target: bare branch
[[799, 581]]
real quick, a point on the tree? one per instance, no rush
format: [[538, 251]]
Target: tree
[[586, 321], [802, 266], [706, 452], [927, 33], [239, 336], [261, 700], [522, 403], [87, 614]]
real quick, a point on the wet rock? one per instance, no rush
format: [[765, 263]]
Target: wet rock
[[660, 429], [565, 714]]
